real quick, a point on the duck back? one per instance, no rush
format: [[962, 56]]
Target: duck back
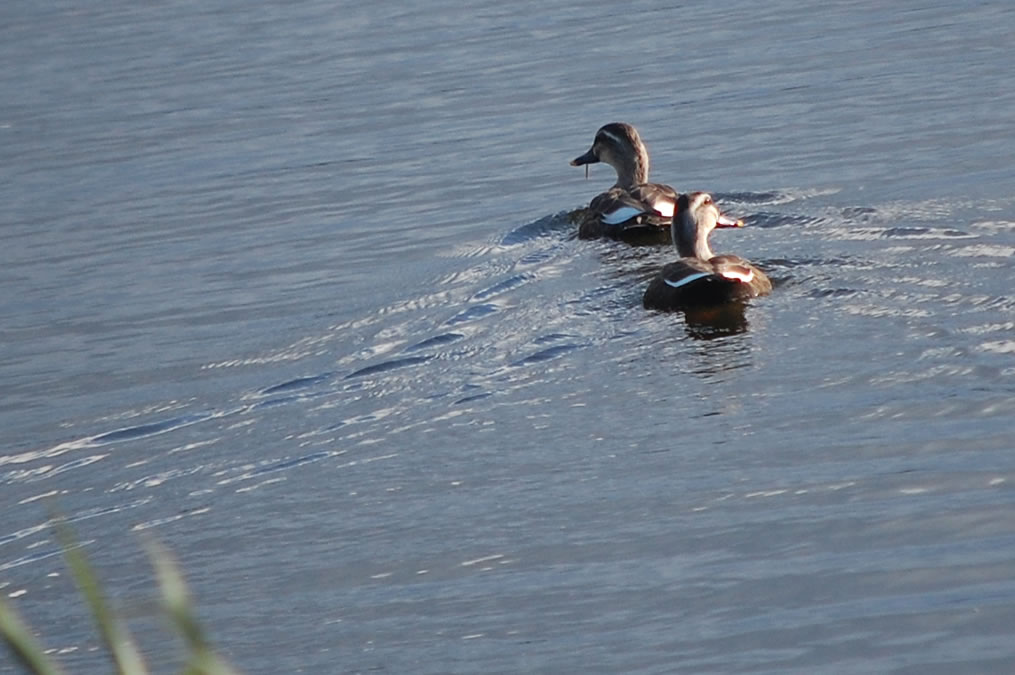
[[692, 282]]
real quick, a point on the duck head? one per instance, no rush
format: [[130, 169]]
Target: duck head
[[695, 216], [619, 145]]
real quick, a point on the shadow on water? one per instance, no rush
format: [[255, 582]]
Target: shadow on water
[[710, 323], [713, 321], [647, 236]]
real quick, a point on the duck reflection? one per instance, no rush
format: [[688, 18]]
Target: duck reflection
[[715, 321]]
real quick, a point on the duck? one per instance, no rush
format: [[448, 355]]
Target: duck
[[701, 278], [633, 207]]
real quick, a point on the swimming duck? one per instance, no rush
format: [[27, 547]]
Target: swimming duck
[[699, 277], [633, 207]]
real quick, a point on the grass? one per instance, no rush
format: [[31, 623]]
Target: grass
[[120, 646]]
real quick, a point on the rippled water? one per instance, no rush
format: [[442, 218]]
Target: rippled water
[[294, 289]]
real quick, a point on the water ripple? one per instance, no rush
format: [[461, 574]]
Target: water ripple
[[388, 366], [297, 383], [548, 354], [473, 313], [436, 341]]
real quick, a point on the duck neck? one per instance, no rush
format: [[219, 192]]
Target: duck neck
[[689, 240], [634, 171]]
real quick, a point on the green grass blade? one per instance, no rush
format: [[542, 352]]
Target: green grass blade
[[201, 659], [121, 647], [27, 650]]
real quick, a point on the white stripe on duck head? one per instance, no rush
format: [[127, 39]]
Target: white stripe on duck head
[[619, 144]]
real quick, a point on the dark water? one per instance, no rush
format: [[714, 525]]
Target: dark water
[[292, 289]]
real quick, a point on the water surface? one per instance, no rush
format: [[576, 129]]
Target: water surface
[[294, 290]]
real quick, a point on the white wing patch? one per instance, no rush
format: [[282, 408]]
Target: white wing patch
[[664, 207], [739, 275], [683, 281], [620, 215]]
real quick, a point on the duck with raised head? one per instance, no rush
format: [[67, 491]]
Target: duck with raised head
[[633, 207], [701, 278]]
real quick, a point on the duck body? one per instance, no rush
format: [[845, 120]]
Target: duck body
[[633, 207], [700, 278], [625, 213], [692, 282]]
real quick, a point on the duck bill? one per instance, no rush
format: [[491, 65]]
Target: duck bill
[[588, 158], [726, 221]]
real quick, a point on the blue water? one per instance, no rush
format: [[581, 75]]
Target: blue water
[[293, 290]]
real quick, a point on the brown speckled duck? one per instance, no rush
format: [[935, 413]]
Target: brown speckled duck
[[633, 207], [700, 278]]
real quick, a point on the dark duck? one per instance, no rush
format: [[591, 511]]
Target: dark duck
[[701, 278]]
